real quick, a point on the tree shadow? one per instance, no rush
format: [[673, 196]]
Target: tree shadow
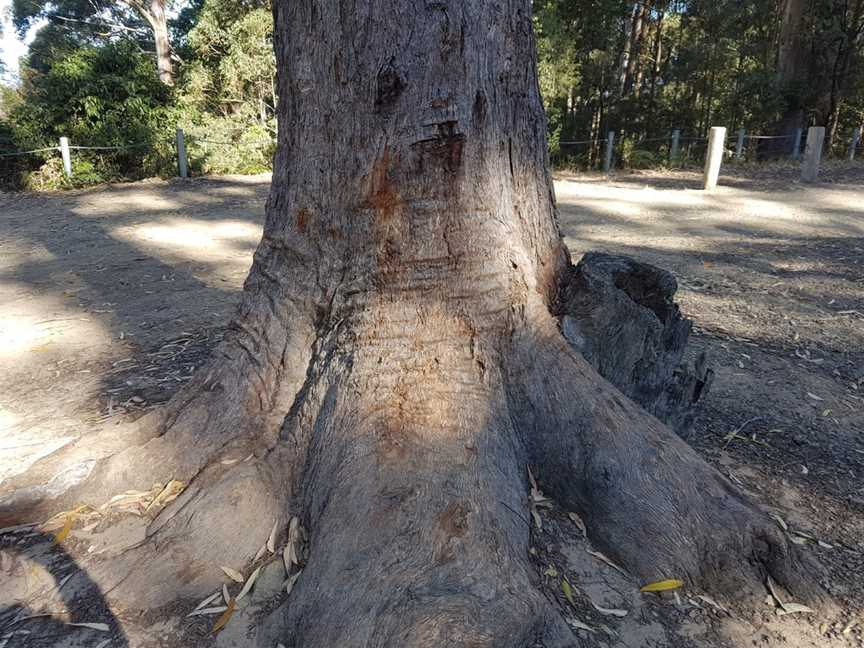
[[21, 624]]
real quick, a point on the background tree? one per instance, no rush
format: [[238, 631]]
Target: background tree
[[104, 20]]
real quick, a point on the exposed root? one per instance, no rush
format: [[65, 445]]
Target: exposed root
[[648, 499]]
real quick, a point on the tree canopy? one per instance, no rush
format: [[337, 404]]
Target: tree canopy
[[641, 69]]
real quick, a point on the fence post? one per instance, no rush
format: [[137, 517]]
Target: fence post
[[67, 159], [610, 146], [714, 157], [676, 142], [181, 154], [813, 154], [796, 147], [739, 145], [856, 138]]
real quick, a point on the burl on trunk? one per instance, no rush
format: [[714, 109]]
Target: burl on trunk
[[398, 361]]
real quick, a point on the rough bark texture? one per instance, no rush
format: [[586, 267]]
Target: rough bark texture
[[397, 362], [620, 315]]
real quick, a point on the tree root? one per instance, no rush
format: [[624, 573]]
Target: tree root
[[648, 500]]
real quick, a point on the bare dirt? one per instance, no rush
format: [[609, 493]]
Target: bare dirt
[[110, 298]]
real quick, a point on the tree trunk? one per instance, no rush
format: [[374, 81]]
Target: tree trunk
[[398, 361], [154, 13]]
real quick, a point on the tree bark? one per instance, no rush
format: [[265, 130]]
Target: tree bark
[[398, 361], [154, 14]]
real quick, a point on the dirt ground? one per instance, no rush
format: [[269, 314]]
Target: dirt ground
[[110, 298]]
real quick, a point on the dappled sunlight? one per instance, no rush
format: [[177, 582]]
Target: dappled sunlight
[[35, 327], [171, 239]]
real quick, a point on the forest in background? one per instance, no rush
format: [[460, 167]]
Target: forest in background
[[127, 74]]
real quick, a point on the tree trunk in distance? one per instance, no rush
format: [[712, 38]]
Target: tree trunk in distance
[[397, 363]]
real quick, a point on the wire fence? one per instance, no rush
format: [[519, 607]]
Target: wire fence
[[72, 163], [189, 154]]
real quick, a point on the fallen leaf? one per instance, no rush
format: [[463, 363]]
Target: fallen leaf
[[609, 611], [249, 583], [225, 618], [551, 572], [103, 643], [210, 610], [579, 523], [60, 536], [780, 521], [233, 574], [289, 582], [206, 602], [226, 596], [576, 623], [792, 608], [605, 559], [261, 551], [662, 586], [849, 626], [815, 397], [568, 591], [536, 517], [711, 601], [271, 540], [101, 627]]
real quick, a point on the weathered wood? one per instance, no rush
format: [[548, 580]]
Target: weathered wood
[[610, 151], [182, 169], [66, 157], [642, 353]]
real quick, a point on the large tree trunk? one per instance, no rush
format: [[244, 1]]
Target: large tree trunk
[[398, 361]]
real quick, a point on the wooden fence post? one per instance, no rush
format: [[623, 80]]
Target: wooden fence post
[[181, 154], [853, 145], [67, 158], [610, 147], [714, 157], [813, 154], [739, 145]]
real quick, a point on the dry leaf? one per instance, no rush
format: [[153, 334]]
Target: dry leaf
[[605, 559], [576, 623], [289, 582], [711, 601], [206, 602], [814, 397], [101, 627], [209, 610], [104, 643], [849, 626], [780, 521], [568, 591], [662, 586], [226, 616], [579, 523], [536, 517], [792, 608], [609, 611], [233, 574], [67, 527], [226, 596], [261, 551], [271, 540], [249, 583]]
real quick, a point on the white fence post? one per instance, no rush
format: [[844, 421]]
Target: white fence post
[[739, 145], [67, 159], [610, 146], [676, 143], [856, 139], [813, 154], [714, 157], [181, 154], [796, 147]]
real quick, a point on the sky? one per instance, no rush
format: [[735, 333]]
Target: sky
[[10, 47]]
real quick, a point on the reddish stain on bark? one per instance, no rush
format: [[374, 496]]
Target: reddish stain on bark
[[382, 195], [303, 216], [454, 520]]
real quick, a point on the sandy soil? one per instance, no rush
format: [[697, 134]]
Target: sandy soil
[[110, 298]]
